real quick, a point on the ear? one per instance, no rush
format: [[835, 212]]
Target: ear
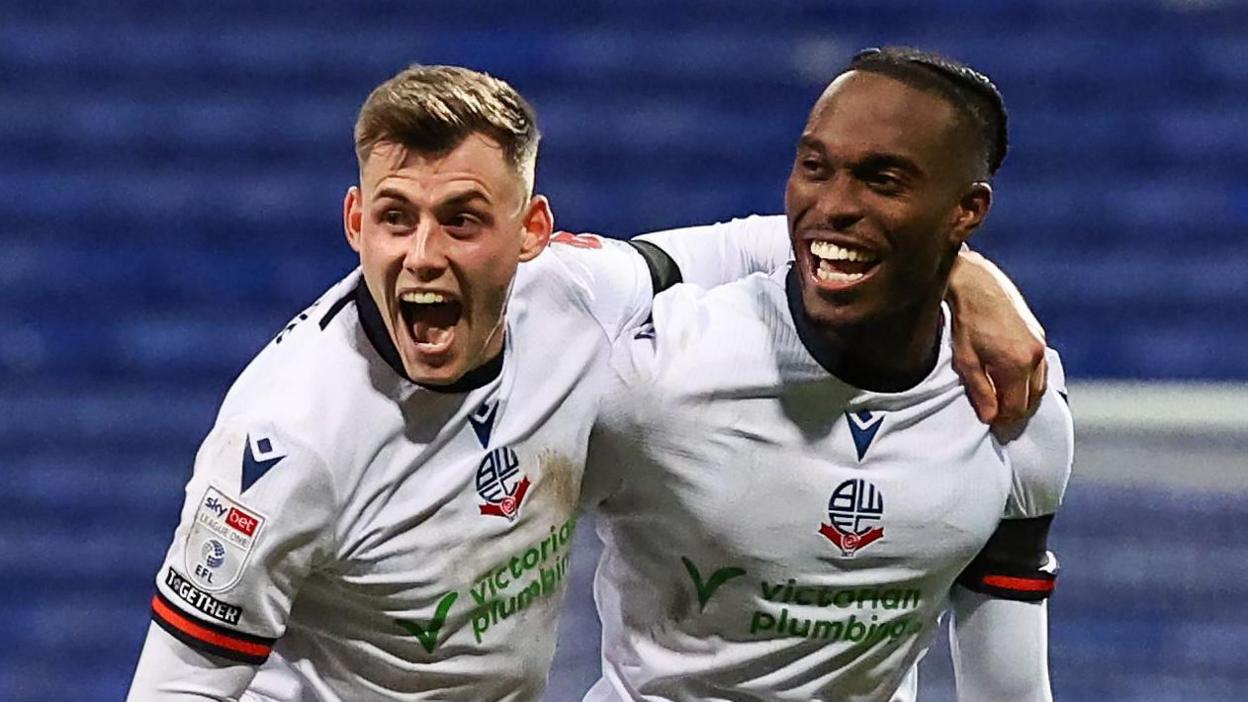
[[972, 208], [539, 223], [353, 217]]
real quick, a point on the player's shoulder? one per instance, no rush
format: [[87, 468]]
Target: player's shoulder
[[736, 324], [587, 274], [744, 306], [305, 380], [1041, 450]]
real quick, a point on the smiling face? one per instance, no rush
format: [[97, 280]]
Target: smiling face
[[882, 193], [440, 237]]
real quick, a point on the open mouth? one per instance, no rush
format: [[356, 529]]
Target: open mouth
[[839, 267], [430, 319]]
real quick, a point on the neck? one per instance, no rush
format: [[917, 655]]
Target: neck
[[375, 330], [891, 353]]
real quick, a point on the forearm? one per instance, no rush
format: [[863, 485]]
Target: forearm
[[1000, 648], [170, 671], [977, 282]]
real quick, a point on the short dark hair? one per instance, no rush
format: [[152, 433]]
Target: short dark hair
[[432, 109], [968, 90]]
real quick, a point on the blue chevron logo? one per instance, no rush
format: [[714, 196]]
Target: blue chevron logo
[[863, 425], [482, 422], [258, 460]]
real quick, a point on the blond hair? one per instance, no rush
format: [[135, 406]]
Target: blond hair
[[432, 109]]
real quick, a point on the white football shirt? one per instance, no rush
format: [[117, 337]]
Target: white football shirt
[[357, 536], [771, 532]]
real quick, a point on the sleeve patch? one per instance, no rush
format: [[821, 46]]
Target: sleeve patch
[[580, 241], [200, 600], [220, 541], [208, 637]]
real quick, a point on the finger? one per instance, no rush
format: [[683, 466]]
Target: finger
[[1012, 391], [1038, 383], [979, 388]]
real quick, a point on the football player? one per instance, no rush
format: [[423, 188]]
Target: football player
[[791, 480], [385, 504]]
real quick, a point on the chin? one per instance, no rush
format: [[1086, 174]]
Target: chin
[[849, 312], [443, 373]]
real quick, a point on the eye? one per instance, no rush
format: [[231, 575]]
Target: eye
[[462, 224], [394, 217], [883, 182]]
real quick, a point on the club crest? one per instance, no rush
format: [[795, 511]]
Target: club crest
[[854, 512], [501, 484]]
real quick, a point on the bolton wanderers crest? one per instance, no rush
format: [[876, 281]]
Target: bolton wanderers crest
[[501, 484], [854, 512]]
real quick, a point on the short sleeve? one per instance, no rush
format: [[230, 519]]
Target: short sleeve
[[611, 276], [1042, 452], [256, 520], [1016, 563], [715, 254]]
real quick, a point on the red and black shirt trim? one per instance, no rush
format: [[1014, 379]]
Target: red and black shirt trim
[[208, 637], [1015, 564]]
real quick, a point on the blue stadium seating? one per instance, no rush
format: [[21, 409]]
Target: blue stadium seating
[[173, 172]]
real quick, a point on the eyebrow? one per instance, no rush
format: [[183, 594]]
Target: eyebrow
[[878, 160], [463, 198], [881, 161]]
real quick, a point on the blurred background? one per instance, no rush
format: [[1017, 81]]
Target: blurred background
[[172, 176]]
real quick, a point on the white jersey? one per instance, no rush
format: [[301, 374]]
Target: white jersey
[[771, 532], [357, 536]]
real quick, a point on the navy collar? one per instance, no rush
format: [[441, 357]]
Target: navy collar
[[375, 329], [830, 356]]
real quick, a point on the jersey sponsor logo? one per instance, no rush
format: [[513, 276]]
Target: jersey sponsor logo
[[706, 588], [864, 425], [220, 541], [482, 421], [853, 510], [427, 634], [501, 484], [580, 241], [259, 455], [201, 601]]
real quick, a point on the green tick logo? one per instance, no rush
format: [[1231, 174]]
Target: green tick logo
[[428, 637], [708, 588]]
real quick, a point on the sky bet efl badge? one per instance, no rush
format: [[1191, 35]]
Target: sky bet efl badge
[[220, 541], [501, 484], [854, 509]]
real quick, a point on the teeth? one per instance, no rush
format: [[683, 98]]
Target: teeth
[[828, 251], [423, 298], [829, 274]]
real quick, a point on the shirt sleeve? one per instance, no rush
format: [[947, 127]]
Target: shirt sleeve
[[1016, 563], [1041, 452], [610, 276], [1000, 649], [257, 519], [715, 254], [170, 671]]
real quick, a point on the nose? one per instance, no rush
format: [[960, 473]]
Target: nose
[[838, 201], [426, 251]]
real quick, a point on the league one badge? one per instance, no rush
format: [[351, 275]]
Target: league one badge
[[853, 510], [220, 541], [501, 484]]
